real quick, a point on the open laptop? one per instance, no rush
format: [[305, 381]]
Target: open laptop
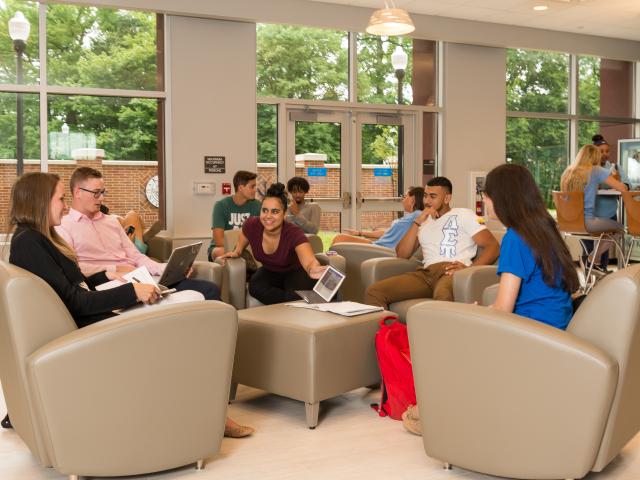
[[325, 288], [179, 262]]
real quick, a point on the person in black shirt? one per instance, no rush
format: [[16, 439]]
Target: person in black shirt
[[37, 205]]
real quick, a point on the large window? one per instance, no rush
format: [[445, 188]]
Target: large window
[[302, 62], [103, 93], [544, 107], [537, 81], [312, 64]]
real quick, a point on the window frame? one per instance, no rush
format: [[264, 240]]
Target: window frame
[[574, 117], [43, 89]]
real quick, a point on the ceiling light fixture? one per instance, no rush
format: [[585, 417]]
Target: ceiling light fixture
[[540, 8], [390, 21]]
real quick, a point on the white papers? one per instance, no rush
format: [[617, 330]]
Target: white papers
[[139, 275], [347, 309]]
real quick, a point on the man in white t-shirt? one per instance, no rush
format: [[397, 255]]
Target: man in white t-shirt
[[449, 238]]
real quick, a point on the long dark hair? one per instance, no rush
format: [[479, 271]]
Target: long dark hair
[[518, 204], [276, 190]]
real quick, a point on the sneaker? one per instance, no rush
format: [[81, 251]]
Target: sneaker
[[600, 269], [412, 426]]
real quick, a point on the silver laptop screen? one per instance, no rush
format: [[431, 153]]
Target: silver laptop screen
[[329, 283]]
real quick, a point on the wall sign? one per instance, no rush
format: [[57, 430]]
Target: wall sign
[[316, 172], [382, 172], [226, 188], [214, 164]]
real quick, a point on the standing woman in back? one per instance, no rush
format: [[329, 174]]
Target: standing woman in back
[[584, 175], [537, 276]]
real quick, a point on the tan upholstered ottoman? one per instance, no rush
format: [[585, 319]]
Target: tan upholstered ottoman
[[304, 354]]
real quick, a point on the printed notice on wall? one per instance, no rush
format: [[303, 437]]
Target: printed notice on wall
[[317, 175], [214, 164]]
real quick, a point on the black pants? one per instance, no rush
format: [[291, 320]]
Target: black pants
[[271, 287], [209, 289]]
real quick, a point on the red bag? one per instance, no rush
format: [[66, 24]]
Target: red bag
[[394, 360]]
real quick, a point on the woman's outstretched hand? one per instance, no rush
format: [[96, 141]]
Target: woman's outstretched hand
[[316, 272]]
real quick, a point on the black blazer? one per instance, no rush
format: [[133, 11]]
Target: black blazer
[[36, 253]]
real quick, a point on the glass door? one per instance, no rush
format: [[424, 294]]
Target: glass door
[[383, 168], [358, 165], [317, 151]]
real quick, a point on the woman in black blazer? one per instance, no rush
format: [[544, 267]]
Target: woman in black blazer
[[37, 205]]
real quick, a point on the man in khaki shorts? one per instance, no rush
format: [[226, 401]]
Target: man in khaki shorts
[[449, 238]]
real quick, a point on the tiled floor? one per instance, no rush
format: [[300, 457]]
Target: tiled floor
[[351, 442]]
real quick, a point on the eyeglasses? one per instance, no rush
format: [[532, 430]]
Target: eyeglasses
[[95, 193]]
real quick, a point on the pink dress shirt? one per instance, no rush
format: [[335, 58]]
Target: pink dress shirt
[[101, 243]]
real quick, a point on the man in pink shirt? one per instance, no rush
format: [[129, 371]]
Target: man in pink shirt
[[99, 240]]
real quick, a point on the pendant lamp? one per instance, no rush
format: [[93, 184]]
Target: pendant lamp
[[390, 21]]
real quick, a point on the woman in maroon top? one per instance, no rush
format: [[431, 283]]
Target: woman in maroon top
[[288, 262]]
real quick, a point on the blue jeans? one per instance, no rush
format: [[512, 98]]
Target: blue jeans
[[209, 289]]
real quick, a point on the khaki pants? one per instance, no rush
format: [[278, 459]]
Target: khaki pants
[[430, 282]]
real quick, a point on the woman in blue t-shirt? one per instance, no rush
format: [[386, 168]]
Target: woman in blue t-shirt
[[584, 175], [536, 271]]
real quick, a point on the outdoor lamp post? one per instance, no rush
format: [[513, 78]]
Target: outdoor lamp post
[[399, 60], [19, 28], [65, 138]]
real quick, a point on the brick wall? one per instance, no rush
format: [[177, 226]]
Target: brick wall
[[329, 187], [125, 182]]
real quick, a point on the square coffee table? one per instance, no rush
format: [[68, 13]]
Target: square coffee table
[[306, 355]]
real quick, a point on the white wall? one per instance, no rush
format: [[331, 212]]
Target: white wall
[[474, 121], [212, 111]]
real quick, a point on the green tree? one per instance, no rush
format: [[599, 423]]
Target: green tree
[[267, 133], [309, 63], [301, 62], [86, 47], [539, 82]]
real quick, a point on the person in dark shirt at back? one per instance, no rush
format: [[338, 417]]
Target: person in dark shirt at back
[[288, 262]]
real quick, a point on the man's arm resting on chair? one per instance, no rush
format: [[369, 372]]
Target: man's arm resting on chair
[[218, 239], [490, 251]]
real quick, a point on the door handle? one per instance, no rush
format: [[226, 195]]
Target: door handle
[[346, 199]]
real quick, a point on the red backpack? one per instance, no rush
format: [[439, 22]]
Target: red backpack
[[394, 360]]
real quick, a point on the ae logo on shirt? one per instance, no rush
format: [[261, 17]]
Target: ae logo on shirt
[[450, 237]]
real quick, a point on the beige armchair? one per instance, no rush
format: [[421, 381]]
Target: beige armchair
[[138, 393], [355, 254], [234, 271], [235, 279], [468, 284], [508, 396]]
